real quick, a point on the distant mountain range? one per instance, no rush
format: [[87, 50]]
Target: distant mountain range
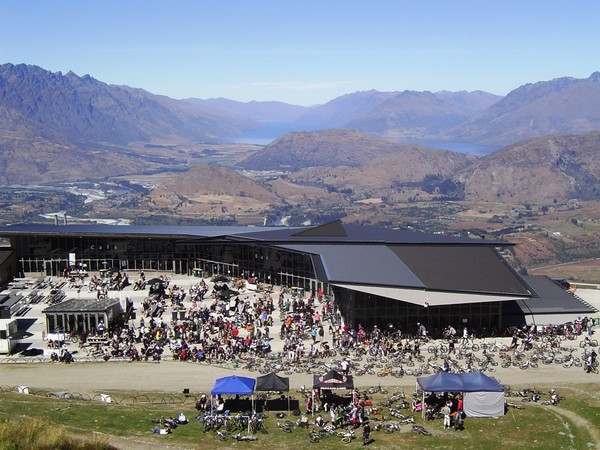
[[563, 105], [82, 110], [57, 126]]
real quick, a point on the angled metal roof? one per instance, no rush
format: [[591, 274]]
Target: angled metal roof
[[131, 230], [335, 228], [444, 268], [360, 264], [552, 298], [334, 232], [461, 268]]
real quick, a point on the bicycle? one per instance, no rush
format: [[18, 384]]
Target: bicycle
[[421, 429], [398, 415], [238, 437], [347, 437], [256, 425], [222, 435], [314, 436], [438, 348], [591, 342], [285, 425], [514, 405]]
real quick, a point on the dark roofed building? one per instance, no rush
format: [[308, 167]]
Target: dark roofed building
[[8, 267], [375, 275], [82, 315]]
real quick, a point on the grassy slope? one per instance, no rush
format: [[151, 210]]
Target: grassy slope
[[533, 427]]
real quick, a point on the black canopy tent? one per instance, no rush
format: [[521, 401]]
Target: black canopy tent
[[331, 380], [273, 382]]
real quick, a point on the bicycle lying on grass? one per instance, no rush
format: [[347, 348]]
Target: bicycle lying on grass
[[238, 437], [514, 405], [421, 429], [285, 425], [222, 435], [347, 437], [314, 436]]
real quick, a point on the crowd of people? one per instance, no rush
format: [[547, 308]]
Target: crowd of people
[[220, 321], [213, 327]]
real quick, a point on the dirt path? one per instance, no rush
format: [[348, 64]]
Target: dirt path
[[173, 377], [578, 421]]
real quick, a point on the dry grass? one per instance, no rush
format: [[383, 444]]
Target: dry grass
[[40, 434]]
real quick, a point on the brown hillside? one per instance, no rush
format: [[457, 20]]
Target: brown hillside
[[37, 160], [409, 164], [327, 148], [208, 180], [211, 191], [538, 171], [304, 195]]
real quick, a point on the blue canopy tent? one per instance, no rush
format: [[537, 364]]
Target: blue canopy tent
[[483, 396], [233, 385]]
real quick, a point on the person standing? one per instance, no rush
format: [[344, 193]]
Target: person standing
[[465, 338], [421, 331], [452, 345], [366, 437], [446, 411], [345, 367]]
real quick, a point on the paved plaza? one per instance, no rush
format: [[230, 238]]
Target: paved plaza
[[173, 376]]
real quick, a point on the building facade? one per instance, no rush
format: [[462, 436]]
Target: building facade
[[376, 276]]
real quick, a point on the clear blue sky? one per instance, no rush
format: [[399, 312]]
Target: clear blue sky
[[305, 52]]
